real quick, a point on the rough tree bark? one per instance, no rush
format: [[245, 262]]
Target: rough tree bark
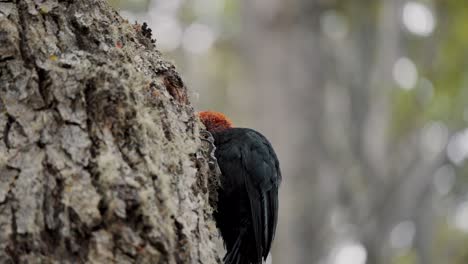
[[100, 156]]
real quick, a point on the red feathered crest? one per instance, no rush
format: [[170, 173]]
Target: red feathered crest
[[214, 121]]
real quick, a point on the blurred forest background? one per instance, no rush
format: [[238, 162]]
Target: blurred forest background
[[366, 103]]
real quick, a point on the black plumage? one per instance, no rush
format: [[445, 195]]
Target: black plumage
[[247, 210]]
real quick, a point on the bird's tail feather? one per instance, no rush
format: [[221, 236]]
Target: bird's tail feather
[[234, 256], [237, 254]]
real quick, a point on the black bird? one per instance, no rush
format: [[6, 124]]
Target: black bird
[[247, 210]]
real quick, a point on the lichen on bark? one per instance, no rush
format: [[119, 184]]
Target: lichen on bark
[[100, 155]]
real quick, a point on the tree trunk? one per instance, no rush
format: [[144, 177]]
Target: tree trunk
[[100, 156]]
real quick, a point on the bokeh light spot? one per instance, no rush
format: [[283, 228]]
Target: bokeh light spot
[[198, 38], [350, 253], [418, 19], [457, 148], [434, 139], [405, 73], [165, 6], [461, 216], [401, 236], [444, 179], [334, 25], [167, 32]]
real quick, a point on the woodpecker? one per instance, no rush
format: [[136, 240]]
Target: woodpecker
[[247, 209]]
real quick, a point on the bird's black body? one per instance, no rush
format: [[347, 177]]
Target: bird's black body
[[247, 210]]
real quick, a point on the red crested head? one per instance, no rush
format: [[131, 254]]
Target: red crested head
[[214, 121]]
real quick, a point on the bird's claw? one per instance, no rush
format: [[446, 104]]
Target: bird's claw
[[207, 137]]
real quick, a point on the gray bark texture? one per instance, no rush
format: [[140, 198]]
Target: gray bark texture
[[100, 154]]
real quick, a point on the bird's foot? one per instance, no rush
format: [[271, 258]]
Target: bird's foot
[[207, 137]]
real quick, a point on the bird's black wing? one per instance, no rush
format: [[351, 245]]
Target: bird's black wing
[[262, 180], [248, 200]]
